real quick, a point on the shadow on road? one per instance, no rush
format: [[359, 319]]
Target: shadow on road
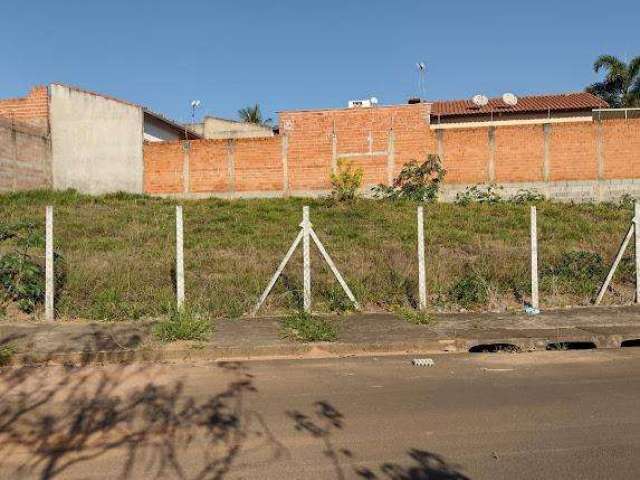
[[327, 420], [58, 421], [64, 421]]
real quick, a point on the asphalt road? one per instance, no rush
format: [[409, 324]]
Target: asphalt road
[[553, 415]]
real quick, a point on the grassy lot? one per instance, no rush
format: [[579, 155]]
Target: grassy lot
[[118, 253]]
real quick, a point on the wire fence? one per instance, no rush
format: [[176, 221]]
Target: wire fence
[[121, 261]]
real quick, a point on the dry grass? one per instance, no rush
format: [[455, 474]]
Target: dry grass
[[119, 252]]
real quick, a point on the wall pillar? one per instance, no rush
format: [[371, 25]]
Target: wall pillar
[[334, 149], [186, 166], [440, 144], [600, 159], [391, 157], [546, 154], [285, 165], [13, 168], [491, 166], [231, 166]]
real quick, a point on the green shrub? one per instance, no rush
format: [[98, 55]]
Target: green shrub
[[527, 196], [578, 271], [183, 324], [470, 290], [418, 182], [304, 327], [346, 181], [21, 274], [480, 194]]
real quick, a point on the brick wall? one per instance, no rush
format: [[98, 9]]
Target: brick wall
[[202, 167], [163, 167], [519, 153], [621, 148], [25, 159], [32, 109], [572, 151], [258, 165], [465, 155], [381, 140]]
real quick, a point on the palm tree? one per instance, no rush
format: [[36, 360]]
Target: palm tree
[[252, 114], [621, 85]]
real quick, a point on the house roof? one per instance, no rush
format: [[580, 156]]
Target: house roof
[[147, 111], [563, 102]]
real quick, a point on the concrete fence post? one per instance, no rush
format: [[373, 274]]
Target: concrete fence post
[[48, 265], [179, 258], [306, 254], [305, 235], [422, 279], [534, 259], [636, 221]]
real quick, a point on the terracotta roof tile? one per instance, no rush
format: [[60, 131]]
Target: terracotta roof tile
[[528, 104]]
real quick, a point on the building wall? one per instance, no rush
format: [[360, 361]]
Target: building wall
[[220, 128], [25, 160], [569, 160], [96, 142], [156, 131], [32, 109]]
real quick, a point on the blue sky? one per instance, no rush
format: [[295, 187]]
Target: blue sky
[[292, 54]]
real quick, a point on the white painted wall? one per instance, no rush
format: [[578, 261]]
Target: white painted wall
[[155, 131], [96, 142]]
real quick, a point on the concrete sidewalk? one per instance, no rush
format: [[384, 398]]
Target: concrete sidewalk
[[359, 334]]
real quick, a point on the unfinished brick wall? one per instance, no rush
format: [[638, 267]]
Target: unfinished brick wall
[[519, 153], [214, 166], [32, 109], [299, 160], [621, 148], [465, 155], [572, 152], [25, 158], [381, 140], [163, 167]]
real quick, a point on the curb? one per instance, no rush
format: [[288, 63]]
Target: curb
[[440, 345]]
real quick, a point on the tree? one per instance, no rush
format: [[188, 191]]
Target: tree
[[252, 114], [621, 85]]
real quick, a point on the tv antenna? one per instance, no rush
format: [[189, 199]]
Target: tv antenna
[[195, 104], [422, 69]]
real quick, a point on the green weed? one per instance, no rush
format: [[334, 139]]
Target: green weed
[[183, 324], [415, 317], [470, 290], [304, 327]]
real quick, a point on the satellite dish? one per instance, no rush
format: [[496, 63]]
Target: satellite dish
[[374, 100], [510, 99], [480, 100]]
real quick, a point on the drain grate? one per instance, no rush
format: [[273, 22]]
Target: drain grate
[[571, 346], [494, 348]]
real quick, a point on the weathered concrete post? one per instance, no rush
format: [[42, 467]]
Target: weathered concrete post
[[636, 221], [534, 259], [179, 258], [306, 254], [422, 279], [48, 265]]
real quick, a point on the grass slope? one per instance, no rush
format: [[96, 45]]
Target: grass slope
[[119, 253]]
